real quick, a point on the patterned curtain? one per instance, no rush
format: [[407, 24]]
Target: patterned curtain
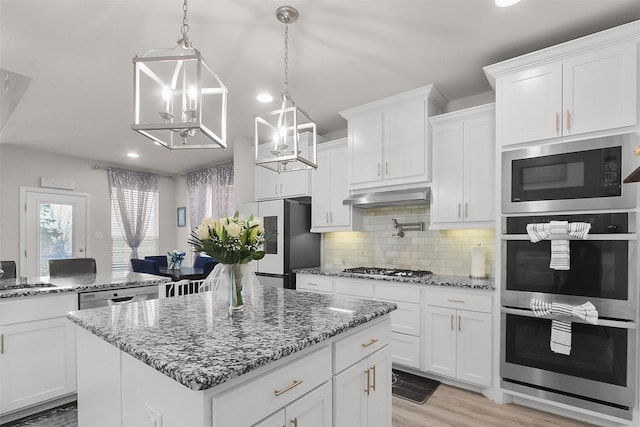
[[133, 194], [210, 192]]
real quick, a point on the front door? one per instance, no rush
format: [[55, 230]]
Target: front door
[[53, 226]]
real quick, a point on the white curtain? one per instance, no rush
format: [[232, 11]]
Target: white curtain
[[210, 192], [133, 196]]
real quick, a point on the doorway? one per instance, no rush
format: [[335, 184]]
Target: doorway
[[53, 225]]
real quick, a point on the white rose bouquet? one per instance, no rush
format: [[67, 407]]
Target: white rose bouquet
[[230, 240]]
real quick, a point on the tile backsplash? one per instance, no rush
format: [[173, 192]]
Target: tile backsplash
[[441, 251]]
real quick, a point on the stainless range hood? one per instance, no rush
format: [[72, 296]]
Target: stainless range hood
[[415, 196]]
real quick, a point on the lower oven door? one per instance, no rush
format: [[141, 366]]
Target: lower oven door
[[599, 374]]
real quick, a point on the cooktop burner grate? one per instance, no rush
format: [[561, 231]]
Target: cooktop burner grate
[[375, 271]]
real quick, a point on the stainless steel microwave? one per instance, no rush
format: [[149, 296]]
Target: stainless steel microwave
[[576, 175]]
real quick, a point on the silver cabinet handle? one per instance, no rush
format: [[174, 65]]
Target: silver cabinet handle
[[2, 344], [387, 167], [295, 383], [466, 210], [373, 341], [378, 169], [452, 322], [331, 217], [373, 386], [326, 216], [459, 323], [459, 210], [366, 390], [276, 189]]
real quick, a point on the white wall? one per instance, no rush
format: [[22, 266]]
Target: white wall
[[243, 171], [21, 167]]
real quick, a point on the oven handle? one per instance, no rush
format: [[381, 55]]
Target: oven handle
[[601, 322]]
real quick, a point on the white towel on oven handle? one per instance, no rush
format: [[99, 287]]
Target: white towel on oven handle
[[586, 311]]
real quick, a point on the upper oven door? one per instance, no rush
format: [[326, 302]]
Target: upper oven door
[[569, 176], [602, 268]]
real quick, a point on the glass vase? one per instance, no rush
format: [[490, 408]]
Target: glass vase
[[235, 275]]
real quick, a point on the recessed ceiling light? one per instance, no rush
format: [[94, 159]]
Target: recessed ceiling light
[[133, 155], [506, 3], [264, 98]]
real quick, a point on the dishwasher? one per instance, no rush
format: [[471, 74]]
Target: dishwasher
[[107, 297]]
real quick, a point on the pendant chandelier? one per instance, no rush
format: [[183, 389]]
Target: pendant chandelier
[[285, 139], [179, 102]]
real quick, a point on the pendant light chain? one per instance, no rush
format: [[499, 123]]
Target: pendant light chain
[[286, 59], [185, 27]]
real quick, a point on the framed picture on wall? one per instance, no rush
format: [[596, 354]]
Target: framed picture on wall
[[182, 217]]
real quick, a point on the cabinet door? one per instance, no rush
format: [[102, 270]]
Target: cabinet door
[[267, 184], [350, 396], [365, 144], [529, 104], [599, 89], [379, 399], [294, 184], [340, 215], [38, 362], [448, 170], [313, 409], [321, 191], [405, 350], [439, 349], [474, 347], [275, 420], [404, 141], [479, 168]]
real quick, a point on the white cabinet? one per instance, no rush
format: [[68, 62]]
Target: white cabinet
[[272, 185], [314, 283], [37, 351], [329, 188], [457, 330], [361, 384], [586, 85], [464, 155], [313, 410], [388, 140]]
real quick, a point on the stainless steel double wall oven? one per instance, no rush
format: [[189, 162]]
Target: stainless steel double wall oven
[[572, 182]]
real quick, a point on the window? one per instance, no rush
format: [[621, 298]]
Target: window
[[134, 216], [120, 250]]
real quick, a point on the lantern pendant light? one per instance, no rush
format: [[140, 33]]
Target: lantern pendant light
[[179, 102], [285, 139]]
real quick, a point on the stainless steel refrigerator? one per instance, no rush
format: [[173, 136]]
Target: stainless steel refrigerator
[[289, 244]]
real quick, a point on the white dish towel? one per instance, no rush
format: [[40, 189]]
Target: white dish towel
[[561, 329], [558, 232]]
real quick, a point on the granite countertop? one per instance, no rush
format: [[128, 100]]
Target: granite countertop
[[433, 280], [192, 340], [12, 288]]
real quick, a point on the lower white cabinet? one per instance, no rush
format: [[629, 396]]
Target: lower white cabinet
[[311, 410], [458, 341], [314, 283], [37, 351], [362, 391]]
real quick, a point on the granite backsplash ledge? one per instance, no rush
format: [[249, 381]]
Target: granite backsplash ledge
[[446, 252]]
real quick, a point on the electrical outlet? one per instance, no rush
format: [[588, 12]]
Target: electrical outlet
[[152, 417]]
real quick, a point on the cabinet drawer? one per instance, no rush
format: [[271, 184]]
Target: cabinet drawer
[[355, 287], [16, 310], [406, 319], [397, 292], [361, 344], [405, 350], [308, 372], [459, 299], [314, 283]]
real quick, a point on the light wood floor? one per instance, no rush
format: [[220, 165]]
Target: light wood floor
[[454, 407]]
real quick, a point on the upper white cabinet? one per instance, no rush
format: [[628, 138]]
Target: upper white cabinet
[[272, 185], [329, 188], [464, 152], [388, 140], [582, 86]]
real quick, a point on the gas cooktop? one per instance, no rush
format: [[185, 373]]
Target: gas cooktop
[[374, 271]]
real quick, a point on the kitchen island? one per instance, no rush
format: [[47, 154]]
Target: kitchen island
[[285, 356]]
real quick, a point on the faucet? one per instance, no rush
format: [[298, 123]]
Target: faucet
[[399, 233], [418, 226]]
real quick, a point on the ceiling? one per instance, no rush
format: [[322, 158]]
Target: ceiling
[[70, 71]]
